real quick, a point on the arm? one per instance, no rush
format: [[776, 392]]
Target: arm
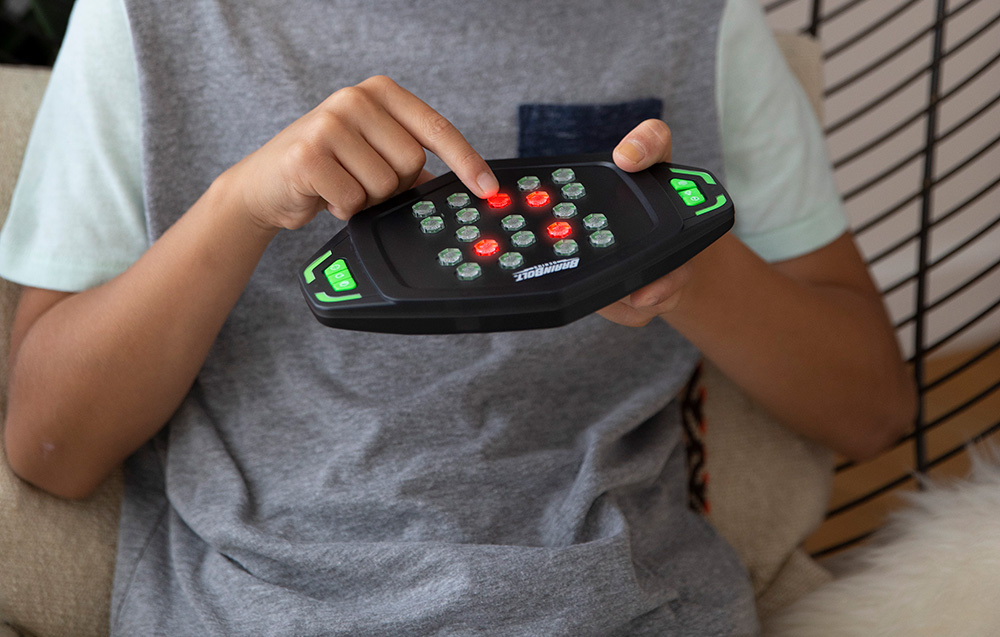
[[808, 338], [96, 374]]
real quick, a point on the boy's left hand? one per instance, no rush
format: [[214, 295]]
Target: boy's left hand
[[647, 144]]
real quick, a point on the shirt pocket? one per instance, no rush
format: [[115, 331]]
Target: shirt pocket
[[557, 129]]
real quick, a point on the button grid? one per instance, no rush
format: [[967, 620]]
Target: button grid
[[532, 196]]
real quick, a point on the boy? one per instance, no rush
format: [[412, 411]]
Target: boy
[[311, 481]]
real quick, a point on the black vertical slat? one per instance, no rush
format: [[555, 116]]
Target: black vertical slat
[[923, 248], [817, 18]]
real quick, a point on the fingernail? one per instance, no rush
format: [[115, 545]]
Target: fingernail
[[488, 184], [631, 151]]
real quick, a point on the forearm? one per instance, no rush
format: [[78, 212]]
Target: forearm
[[819, 356], [807, 337], [100, 372]]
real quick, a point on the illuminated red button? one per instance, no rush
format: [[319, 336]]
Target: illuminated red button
[[499, 200], [538, 198], [559, 230], [486, 248]]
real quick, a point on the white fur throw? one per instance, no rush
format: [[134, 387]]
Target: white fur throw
[[933, 570]]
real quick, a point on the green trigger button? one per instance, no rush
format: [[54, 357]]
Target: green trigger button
[[337, 266], [692, 197], [339, 276]]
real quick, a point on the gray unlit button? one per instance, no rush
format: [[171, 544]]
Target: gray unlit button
[[430, 225], [563, 176], [450, 256], [423, 209], [468, 271], [467, 215], [565, 210], [595, 221], [574, 190], [528, 184], [566, 248], [458, 200], [511, 260], [602, 239], [467, 234], [523, 239], [513, 223]]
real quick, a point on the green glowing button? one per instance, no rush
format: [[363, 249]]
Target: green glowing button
[[344, 285], [682, 184], [337, 266], [339, 276], [692, 197]]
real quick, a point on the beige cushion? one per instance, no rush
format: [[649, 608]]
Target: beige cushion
[[768, 488], [57, 556]]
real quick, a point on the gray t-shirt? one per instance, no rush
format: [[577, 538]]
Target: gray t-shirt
[[326, 482], [85, 155]]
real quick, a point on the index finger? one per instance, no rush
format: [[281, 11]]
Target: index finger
[[437, 134]]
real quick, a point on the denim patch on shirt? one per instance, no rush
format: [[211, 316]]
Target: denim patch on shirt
[[556, 129]]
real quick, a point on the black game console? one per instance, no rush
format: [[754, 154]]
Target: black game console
[[565, 236]]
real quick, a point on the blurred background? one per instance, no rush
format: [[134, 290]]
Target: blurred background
[[31, 30], [911, 92]]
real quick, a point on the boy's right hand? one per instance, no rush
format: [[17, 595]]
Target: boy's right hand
[[124, 354], [359, 147]]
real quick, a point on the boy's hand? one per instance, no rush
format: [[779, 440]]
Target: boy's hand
[[647, 144], [362, 145]]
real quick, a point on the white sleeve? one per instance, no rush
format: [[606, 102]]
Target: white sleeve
[[774, 153], [76, 217]]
